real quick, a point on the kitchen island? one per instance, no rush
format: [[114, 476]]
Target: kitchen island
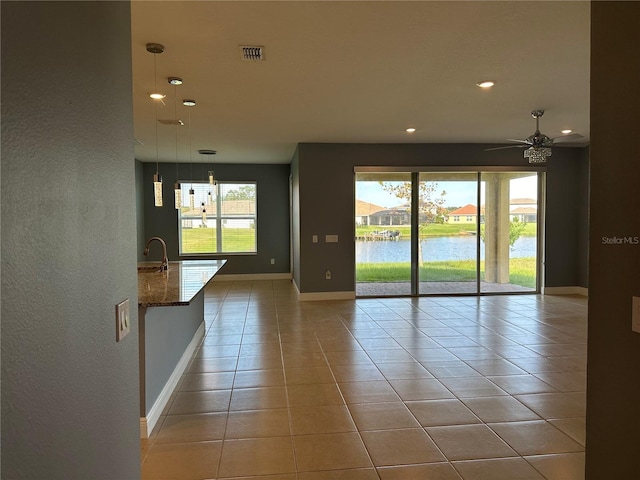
[[171, 325]]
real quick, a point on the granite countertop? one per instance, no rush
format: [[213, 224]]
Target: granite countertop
[[176, 286]]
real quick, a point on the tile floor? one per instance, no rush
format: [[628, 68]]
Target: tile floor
[[436, 388]]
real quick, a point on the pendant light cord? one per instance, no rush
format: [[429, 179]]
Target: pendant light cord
[[190, 161], [155, 77], [175, 116]]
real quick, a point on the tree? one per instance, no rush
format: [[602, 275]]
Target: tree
[[516, 227], [430, 204], [245, 192]]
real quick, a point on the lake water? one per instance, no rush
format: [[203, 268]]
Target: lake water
[[435, 249]]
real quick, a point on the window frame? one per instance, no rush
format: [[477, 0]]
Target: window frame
[[217, 216]]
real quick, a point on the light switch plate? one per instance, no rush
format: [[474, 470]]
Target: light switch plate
[[123, 320], [331, 238]]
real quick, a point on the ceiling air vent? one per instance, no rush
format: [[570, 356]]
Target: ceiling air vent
[[252, 52]]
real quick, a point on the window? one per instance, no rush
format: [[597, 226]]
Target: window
[[456, 218], [223, 219]]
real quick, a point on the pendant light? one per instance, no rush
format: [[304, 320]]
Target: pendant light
[[192, 196], [210, 197], [156, 49], [210, 175], [204, 214], [177, 191], [204, 208]]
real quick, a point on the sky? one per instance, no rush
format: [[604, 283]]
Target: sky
[[458, 193]]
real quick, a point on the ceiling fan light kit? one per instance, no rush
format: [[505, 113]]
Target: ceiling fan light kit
[[537, 154], [539, 144]]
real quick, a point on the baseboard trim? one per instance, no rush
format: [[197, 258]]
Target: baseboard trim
[[251, 276], [566, 291], [148, 423], [318, 296]]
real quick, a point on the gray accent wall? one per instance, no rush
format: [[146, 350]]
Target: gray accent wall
[[323, 178], [273, 213], [167, 334], [613, 379], [562, 218], [69, 391]]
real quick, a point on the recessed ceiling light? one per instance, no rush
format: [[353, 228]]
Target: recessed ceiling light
[[189, 103], [486, 84], [175, 80], [157, 96], [410, 130], [568, 130]]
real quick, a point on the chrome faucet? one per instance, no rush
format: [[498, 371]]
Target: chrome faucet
[[165, 261]]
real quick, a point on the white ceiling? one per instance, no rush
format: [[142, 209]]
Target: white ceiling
[[355, 72]]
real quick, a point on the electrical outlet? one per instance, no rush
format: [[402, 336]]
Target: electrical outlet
[[327, 275], [635, 314], [273, 261], [123, 321]]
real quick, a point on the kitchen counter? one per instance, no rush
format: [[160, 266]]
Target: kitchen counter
[[171, 325], [176, 286]]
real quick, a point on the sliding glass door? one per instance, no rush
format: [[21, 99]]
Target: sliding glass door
[[383, 234], [447, 232], [509, 231], [448, 228]]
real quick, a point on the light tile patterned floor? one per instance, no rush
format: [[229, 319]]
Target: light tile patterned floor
[[393, 388]]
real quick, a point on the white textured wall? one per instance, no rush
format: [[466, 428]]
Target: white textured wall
[[69, 391]]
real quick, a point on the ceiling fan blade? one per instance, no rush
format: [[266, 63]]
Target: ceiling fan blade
[[571, 136], [503, 148], [519, 141]]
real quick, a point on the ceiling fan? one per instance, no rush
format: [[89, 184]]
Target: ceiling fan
[[539, 145]]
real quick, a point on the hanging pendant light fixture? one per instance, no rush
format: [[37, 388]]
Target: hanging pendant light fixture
[[192, 195], [177, 192], [204, 208], [156, 49], [177, 189], [210, 176]]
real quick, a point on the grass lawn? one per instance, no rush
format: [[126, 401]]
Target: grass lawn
[[522, 271], [203, 240]]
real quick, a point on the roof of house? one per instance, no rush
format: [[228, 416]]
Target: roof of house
[[392, 211], [228, 207], [523, 201], [525, 210], [364, 208], [466, 210]]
